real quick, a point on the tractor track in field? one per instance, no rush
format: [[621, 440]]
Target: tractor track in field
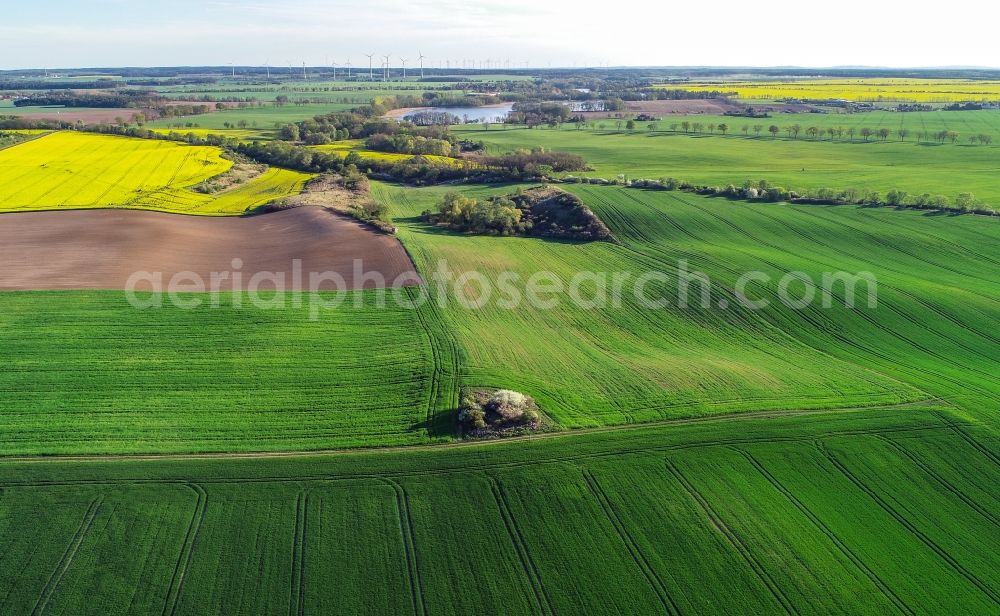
[[654, 581], [732, 537], [521, 547], [67, 558], [856, 560], [417, 594], [909, 526], [947, 485], [187, 550], [993, 457], [296, 603]]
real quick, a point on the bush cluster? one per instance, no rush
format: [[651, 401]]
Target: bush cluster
[[503, 410]]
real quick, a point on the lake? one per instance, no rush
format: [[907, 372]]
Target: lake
[[487, 114]]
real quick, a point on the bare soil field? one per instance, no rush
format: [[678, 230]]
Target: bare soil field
[[101, 249]]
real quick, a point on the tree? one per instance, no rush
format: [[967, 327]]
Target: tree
[[883, 133], [953, 136], [895, 197], [723, 128], [773, 130], [866, 133], [711, 128], [651, 126], [281, 100], [832, 132], [685, 126], [903, 133], [796, 128], [812, 131], [745, 129], [697, 126], [630, 125], [966, 202], [757, 128], [850, 132]]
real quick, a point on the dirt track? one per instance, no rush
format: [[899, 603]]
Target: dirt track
[[100, 249]]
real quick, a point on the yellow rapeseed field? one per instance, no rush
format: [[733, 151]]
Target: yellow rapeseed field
[[357, 145], [70, 170], [860, 90]]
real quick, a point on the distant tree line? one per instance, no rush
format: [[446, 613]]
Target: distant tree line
[[121, 98], [762, 190]]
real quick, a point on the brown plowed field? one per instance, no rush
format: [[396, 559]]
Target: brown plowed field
[[101, 249]]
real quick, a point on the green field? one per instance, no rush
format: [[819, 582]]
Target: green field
[[85, 372], [801, 164], [867, 512]]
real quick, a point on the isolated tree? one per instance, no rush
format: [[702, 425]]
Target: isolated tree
[[630, 125], [883, 133], [618, 125], [832, 132], [745, 129], [903, 133], [866, 133], [812, 131], [850, 132], [953, 136], [685, 126], [651, 126], [757, 128], [711, 128], [723, 128], [796, 128], [773, 130], [697, 126], [673, 127]]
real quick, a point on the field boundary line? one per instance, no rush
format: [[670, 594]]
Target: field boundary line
[[521, 547], [906, 524], [858, 562], [732, 537], [67, 558], [630, 543], [187, 550], [931, 403], [462, 468]]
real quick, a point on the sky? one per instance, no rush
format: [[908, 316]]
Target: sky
[[108, 33]]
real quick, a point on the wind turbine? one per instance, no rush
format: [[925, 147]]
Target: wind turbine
[[267, 66], [334, 65], [348, 69], [403, 60], [304, 70], [371, 73], [385, 66], [422, 56]]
